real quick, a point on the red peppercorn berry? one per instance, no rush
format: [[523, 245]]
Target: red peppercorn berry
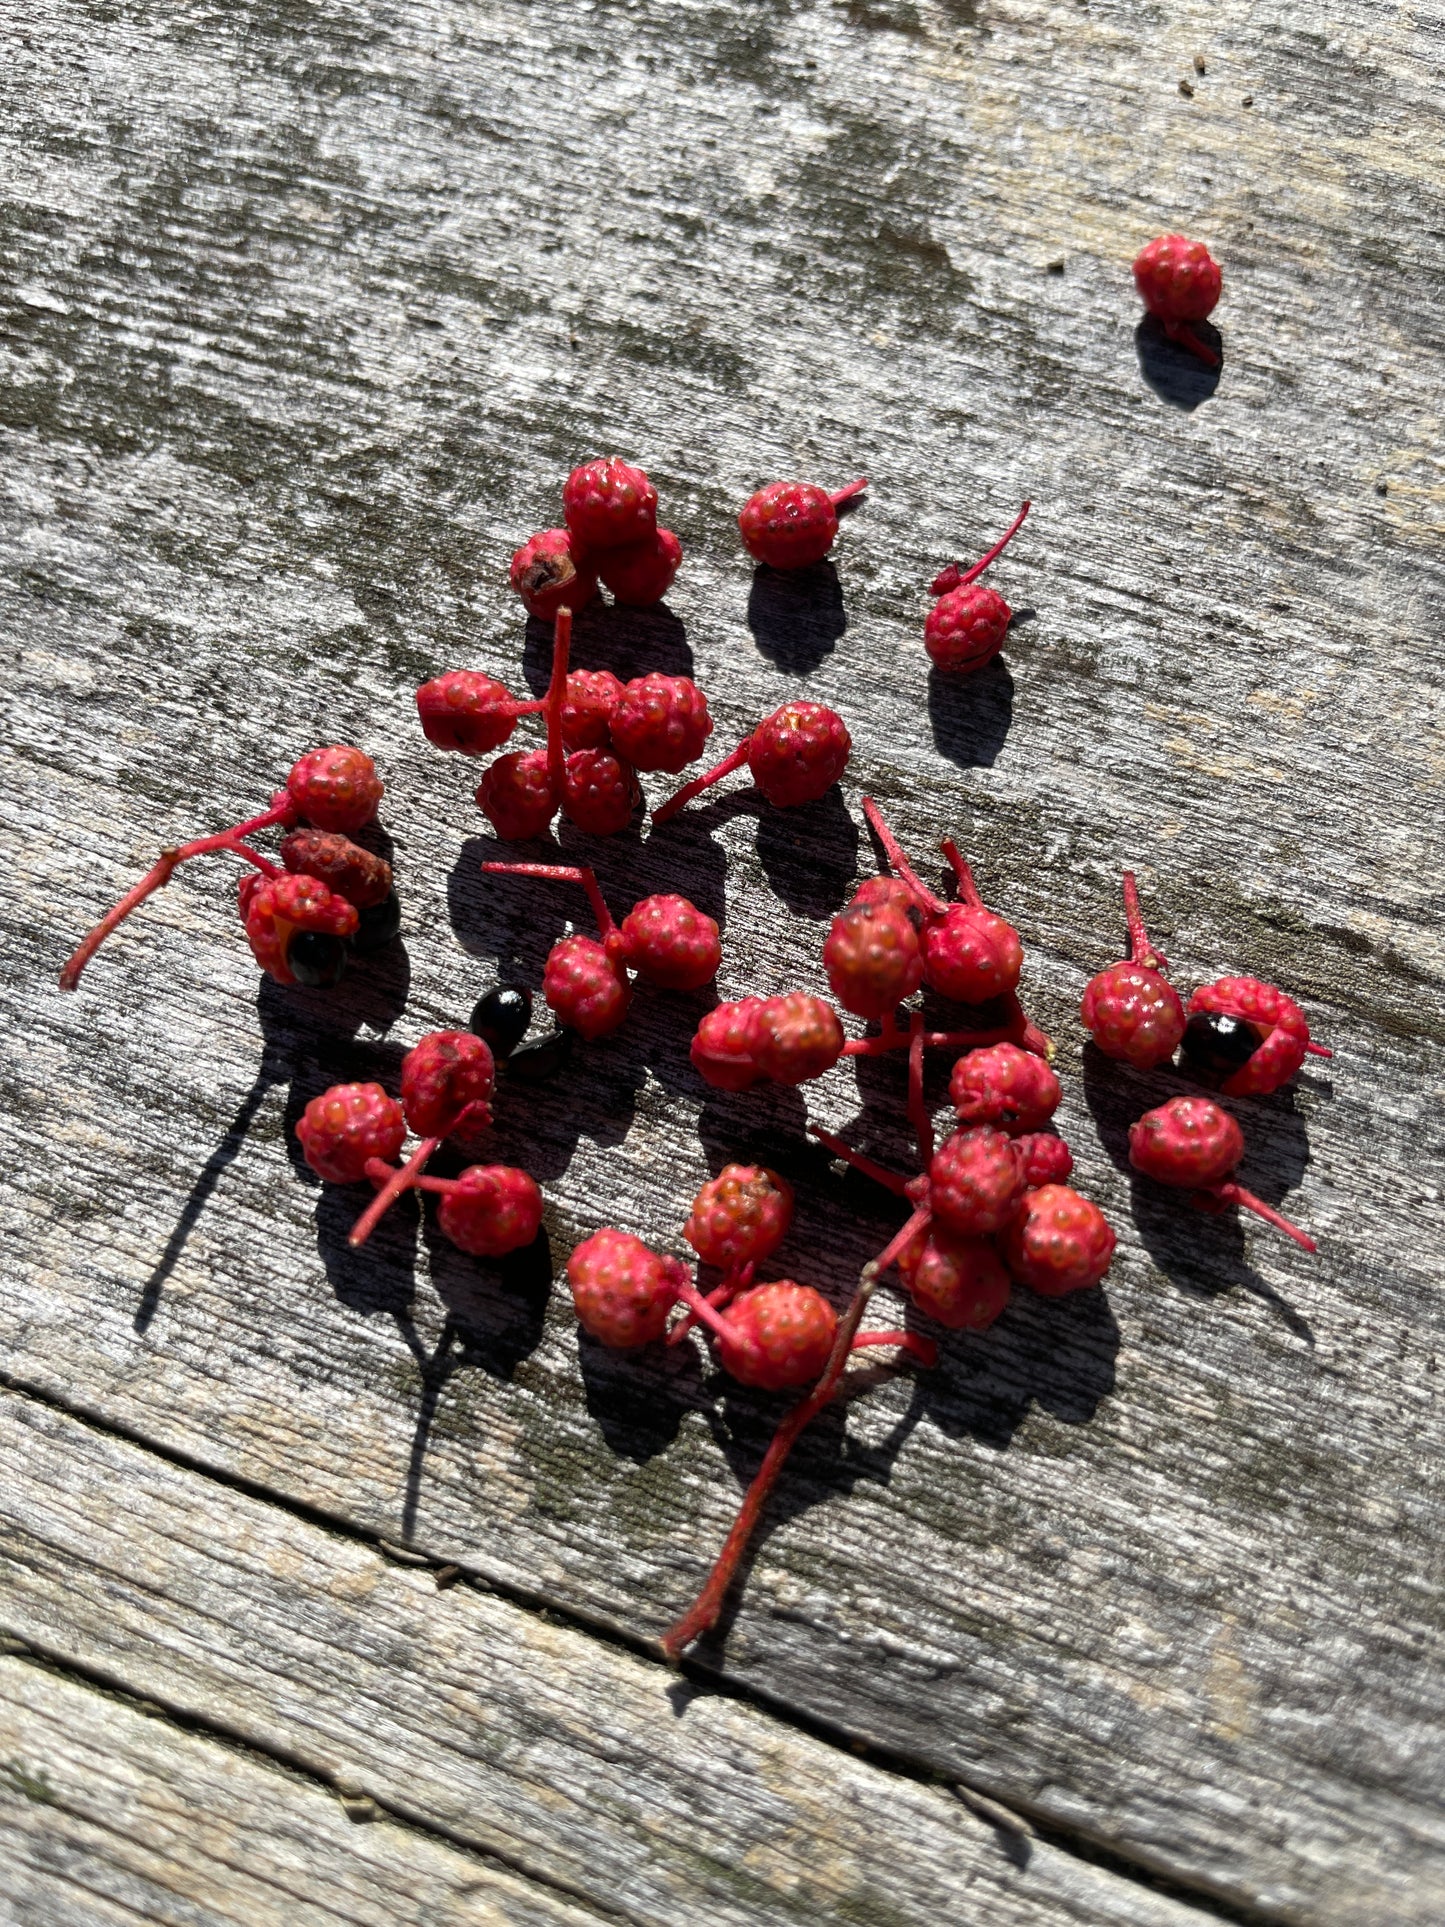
[[623, 1291], [739, 1217], [600, 792], [1131, 1010], [1195, 1144], [965, 628], [1004, 1086], [446, 1084], [1246, 1034], [796, 1037], [491, 1209], [873, 956], [343, 866], [607, 504], [592, 696], [660, 723], [343, 1128], [1180, 283], [1046, 1159], [467, 711], [282, 912], [335, 788], [776, 1336], [515, 795], [1058, 1242], [549, 573], [790, 525], [794, 756], [670, 942], [588, 991], [975, 1182], [643, 572], [961, 1282], [723, 1048]]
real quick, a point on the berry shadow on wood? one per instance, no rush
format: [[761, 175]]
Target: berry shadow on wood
[[1177, 376], [972, 715], [796, 615], [810, 854], [497, 1307], [605, 635], [298, 1027], [1201, 1252], [639, 1399]]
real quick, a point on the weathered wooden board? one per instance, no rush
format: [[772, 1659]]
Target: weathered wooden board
[[307, 313], [570, 1761], [107, 1815]]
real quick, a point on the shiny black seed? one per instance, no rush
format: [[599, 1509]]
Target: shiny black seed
[[535, 1063], [1220, 1044], [316, 959], [501, 1018], [378, 924]]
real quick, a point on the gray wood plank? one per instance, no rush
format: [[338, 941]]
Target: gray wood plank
[[291, 299], [109, 1815], [572, 1761]]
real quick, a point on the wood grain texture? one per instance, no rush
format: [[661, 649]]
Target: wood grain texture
[[573, 1762], [308, 311], [109, 1815]]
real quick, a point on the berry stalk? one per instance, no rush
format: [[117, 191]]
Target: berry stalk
[[719, 1296], [893, 850], [555, 700], [1183, 335], [917, 1109], [972, 575], [967, 888], [1232, 1193], [890, 1180], [842, 495], [1141, 951], [161, 872], [735, 760], [1018, 1031], [398, 1179], [563, 873]]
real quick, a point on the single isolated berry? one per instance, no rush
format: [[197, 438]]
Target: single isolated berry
[[975, 1182], [1046, 1159], [790, 525], [794, 756], [873, 956], [515, 795], [1058, 1242], [343, 866], [467, 711], [1248, 1035], [660, 723], [345, 1127], [796, 1038], [549, 574], [961, 1282], [965, 628], [501, 1019], [1193, 1143], [609, 505], [592, 696], [623, 1291], [739, 1217], [1179, 283], [643, 572], [723, 1051], [1131, 1010], [491, 1209], [1004, 1086], [297, 928]]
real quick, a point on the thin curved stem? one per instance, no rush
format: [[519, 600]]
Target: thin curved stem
[[914, 1343], [846, 494], [967, 888], [719, 1296], [402, 1179], [160, 874], [880, 1174], [972, 575], [893, 850], [1141, 951], [921, 1219], [563, 873], [555, 699], [1232, 1193], [1318, 1050], [703, 1309], [734, 760], [1183, 335]]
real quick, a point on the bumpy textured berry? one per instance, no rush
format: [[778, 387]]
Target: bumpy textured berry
[[1059, 1242], [493, 1209], [592, 695], [1046, 1159], [661, 723], [446, 1083], [643, 572], [1189, 1141], [1133, 1014], [798, 753], [965, 629], [585, 988], [335, 788], [975, 1182], [739, 1217], [467, 711], [889, 890], [971, 955], [959, 1281], [623, 1292], [1178, 279], [724, 1048], [1281, 1034], [777, 1336], [548, 574], [873, 957], [607, 504], [670, 943], [274, 909], [501, 1019], [790, 525], [1004, 1086], [515, 794], [343, 866], [796, 1038], [345, 1126], [601, 793]]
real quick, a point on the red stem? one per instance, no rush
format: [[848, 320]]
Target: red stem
[[735, 760], [397, 1182], [847, 494], [721, 1295], [921, 1219], [967, 888], [972, 575], [893, 850], [1141, 951], [1019, 1031], [923, 1349], [890, 1180], [917, 1109], [556, 697], [1319, 1050], [1232, 1193], [562, 873], [703, 1309], [1184, 336], [161, 872]]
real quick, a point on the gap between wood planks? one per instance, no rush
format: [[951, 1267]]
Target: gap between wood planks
[[1015, 1824]]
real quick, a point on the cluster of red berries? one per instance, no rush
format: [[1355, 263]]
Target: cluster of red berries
[[353, 1133], [327, 899], [1243, 1037], [610, 534]]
